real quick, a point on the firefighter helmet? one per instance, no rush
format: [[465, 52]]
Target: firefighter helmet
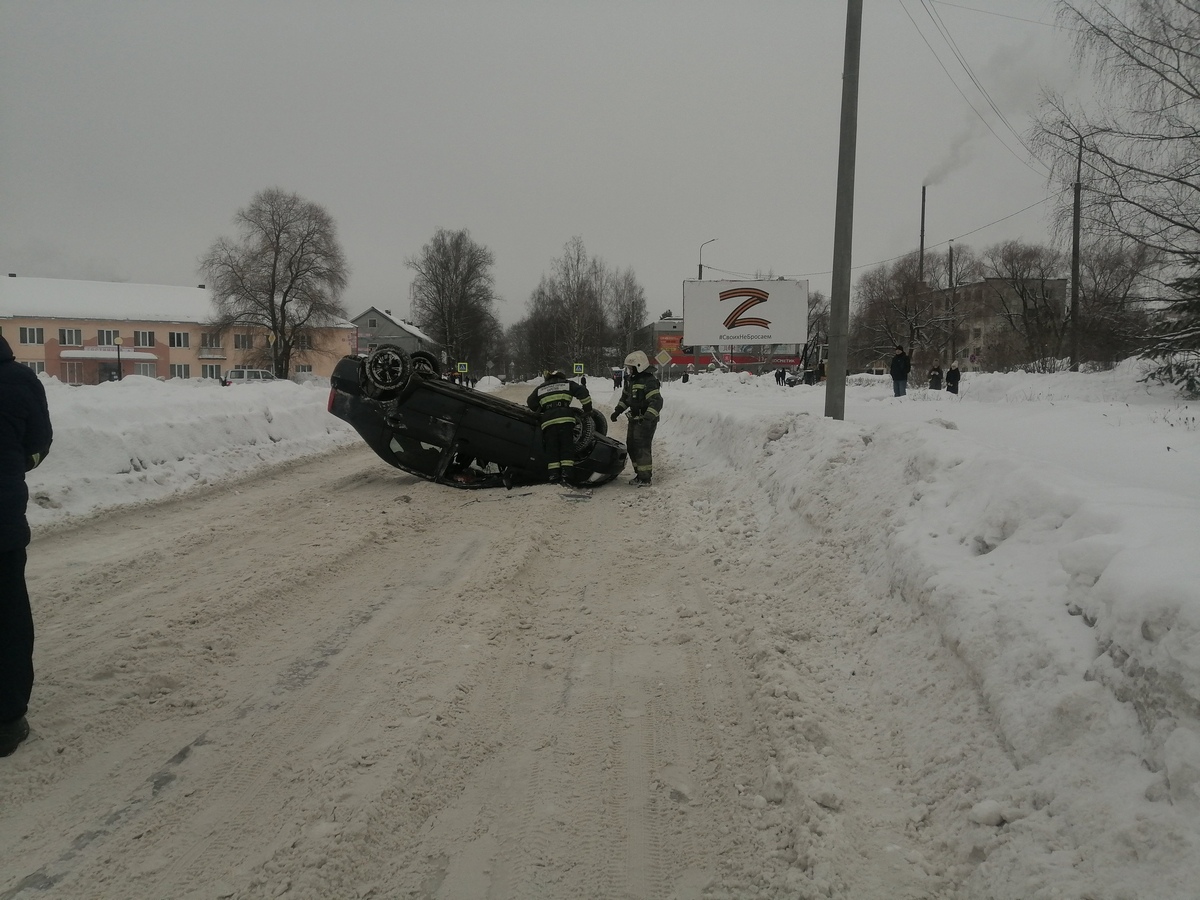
[[638, 361]]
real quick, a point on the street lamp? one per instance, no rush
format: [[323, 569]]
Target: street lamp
[[118, 341], [700, 274]]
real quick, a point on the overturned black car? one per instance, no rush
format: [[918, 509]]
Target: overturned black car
[[455, 435]]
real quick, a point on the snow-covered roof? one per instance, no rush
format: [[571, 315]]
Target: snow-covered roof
[[399, 323], [60, 298]]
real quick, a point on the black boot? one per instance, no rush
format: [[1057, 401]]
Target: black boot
[[11, 735]]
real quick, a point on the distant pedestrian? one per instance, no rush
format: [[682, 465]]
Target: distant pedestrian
[[952, 377], [551, 400], [935, 377], [779, 376], [899, 368], [583, 381], [25, 436], [616, 381], [642, 397]]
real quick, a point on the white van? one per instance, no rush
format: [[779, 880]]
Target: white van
[[247, 376]]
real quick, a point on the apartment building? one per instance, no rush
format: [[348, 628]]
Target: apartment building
[[86, 332]]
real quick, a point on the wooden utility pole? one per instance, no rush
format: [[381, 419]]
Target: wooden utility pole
[[843, 223]]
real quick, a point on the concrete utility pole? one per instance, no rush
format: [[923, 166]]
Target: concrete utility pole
[[1075, 263], [952, 309], [843, 223], [921, 258]]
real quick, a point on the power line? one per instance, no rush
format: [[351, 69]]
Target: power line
[[902, 255], [936, 18], [988, 12], [967, 99]]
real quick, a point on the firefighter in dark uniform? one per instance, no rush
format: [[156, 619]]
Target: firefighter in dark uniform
[[642, 397], [551, 400]]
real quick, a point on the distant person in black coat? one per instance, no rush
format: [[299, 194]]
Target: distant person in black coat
[[935, 377], [25, 436], [952, 377], [899, 368]]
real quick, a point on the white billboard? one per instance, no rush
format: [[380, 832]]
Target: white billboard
[[745, 312]]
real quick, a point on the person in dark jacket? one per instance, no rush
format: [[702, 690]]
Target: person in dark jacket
[[551, 400], [25, 437], [899, 368], [952, 377], [935, 377], [642, 398]]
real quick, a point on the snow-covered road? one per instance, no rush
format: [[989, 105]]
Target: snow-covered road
[[879, 658], [338, 681]]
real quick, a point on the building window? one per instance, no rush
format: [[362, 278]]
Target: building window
[[243, 342], [106, 336], [209, 370], [179, 338], [372, 323], [181, 371], [977, 333], [143, 339], [301, 369], [72, 372], [32, 335], [70, 337], [304, 342], [148, 369], [38, 366], [210, 340]]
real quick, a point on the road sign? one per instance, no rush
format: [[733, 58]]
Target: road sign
[[577, 368], [463, 367], [663, 357]]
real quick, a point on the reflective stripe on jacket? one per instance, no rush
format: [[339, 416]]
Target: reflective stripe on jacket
[[642, 396], [552, 400]]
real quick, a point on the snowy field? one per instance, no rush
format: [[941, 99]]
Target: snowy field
[[1045, 525]]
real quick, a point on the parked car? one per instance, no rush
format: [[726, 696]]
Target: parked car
[[808, 376], [451, 434], [247, 376]]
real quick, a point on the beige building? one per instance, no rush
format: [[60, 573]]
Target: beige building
[[86, 332]]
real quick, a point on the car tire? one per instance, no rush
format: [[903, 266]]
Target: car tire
[[425, 364], [585, 433], [600, 421], [386, 372]]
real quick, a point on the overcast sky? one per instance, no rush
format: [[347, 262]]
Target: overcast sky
[[131, 132]]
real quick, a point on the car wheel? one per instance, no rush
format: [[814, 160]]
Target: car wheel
[[585, 432], [425, 363], [600, 421], [386, 371]]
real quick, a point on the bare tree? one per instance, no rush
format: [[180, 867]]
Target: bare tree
[[893, 307], [1025, 291], [284, 273], [577, 285], [1113, 316], [626, 306], [452, 295], [580, 312], [1138, 154]]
